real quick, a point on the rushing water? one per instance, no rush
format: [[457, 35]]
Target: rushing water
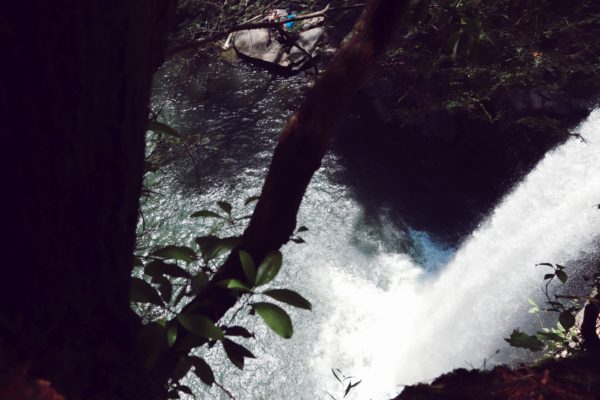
[[390, 306]]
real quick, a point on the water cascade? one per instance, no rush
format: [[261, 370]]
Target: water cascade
[[381, 313]]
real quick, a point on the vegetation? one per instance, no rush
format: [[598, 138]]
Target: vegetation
[[76, 180]]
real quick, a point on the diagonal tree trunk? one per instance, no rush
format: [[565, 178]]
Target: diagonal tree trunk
[[75, 87], [302, 146]]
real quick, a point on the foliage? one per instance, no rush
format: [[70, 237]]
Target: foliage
[[564, 338], [169, 277], [347, 383]]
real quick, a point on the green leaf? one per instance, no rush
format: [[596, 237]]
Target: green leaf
[[143, 292], [268, 268], [551, 336], [255, 198], [203, 370], [205, 214], [235, 284], [182, 368], [237, 331], [548, 276], [149, 344], [302, 229], [200, 325], [182, 253], [236, 353], [225, 206], [212, 246], [525, 341], [560, 274], [171, 335], [566, 319], [297, 240], [158, 267], [248, 266], [162, 128], [275, 318], [199, 282], [290, 297]]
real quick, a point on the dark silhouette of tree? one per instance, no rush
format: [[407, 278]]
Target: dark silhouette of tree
[[75, 86], [74, 94]]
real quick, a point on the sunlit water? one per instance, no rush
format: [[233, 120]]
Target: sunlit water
[[390, 307]]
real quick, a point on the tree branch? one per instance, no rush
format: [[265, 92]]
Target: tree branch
[[301, 148]]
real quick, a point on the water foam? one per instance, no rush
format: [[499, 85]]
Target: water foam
[[420, 325]]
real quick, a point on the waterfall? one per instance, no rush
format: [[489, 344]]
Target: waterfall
[[420, 323]]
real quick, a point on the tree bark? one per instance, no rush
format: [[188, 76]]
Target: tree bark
[[302, 146], [75, 81]]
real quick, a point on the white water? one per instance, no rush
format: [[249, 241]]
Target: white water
[[377, 315], [419, 325]]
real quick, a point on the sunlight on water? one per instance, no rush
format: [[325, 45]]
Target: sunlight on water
[[391, 306]]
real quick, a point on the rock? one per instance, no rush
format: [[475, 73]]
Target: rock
[[265, 45]]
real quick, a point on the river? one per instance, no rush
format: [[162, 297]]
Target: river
[[391, 305]]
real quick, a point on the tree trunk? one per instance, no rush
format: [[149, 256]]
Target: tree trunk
[[302, 146], [75, 89]]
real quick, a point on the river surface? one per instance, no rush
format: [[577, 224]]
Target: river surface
[[391, 305]]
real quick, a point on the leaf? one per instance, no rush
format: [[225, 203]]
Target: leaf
[[182, 368], [336, 376], [275, 318], [268, 268], [234, 284], [289, 297], [236, 353], [143, 292], [525, 341], [297, 240], [149, 344], [185, 389], [225, 206], [199, 282], [203, 370], [165, 288], [200, 325], [248, 266], [205, 214], [551, 336], [182, 253], [545, 265], [252, 199], [157, 268], [560, 274], [161, 127], [237, 331], [212, 246], [566, 319], [350, 386], [302, 229], [171, 335], [548, 276]]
